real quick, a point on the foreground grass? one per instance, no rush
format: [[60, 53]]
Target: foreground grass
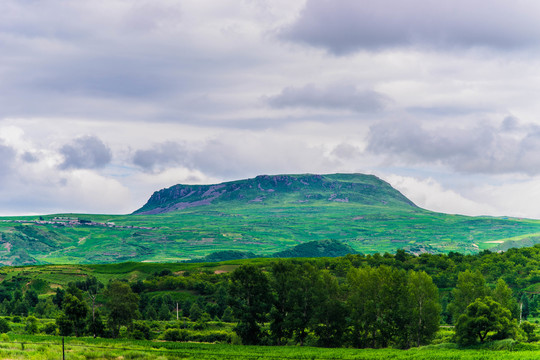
[[49, 347]]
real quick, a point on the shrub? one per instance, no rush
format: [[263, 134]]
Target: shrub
[[50, 328], [211, 337], [4, 326], [175, 335], [31, 325], [140, 331]]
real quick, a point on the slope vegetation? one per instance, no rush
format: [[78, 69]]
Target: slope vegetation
[[263, 215]]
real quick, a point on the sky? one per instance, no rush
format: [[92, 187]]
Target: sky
[[104, 102]]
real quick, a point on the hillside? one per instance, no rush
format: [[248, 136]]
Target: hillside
[[280, 189], [264, 215]]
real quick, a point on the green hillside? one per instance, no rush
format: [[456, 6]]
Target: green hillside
[[279, 190], [264, 215]]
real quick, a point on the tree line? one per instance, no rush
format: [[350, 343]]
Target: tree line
[[376, 301]]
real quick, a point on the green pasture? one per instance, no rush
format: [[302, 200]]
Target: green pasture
[[263, 229], [50, 347]]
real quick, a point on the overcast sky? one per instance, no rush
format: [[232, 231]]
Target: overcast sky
[[104, 102]]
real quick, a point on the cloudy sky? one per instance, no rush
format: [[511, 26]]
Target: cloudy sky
[[103, 102]]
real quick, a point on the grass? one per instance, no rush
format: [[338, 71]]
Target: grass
[[265, 230], [49, 347]]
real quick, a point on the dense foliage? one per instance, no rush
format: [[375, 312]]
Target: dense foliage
[[361, 301]]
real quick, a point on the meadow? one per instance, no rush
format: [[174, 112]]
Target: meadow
[[50, 347], [264, 230]]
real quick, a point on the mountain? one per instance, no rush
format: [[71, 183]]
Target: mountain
[[265, 189], [258, 217]]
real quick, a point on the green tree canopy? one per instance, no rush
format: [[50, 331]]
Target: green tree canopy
[[122, 305], [75, 311], [424, 306], [250, 299], [483, 316], [470, 286]]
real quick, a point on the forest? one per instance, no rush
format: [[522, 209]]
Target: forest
[[357, 301]]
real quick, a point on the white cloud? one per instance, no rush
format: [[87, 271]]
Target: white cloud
[[431, 195]]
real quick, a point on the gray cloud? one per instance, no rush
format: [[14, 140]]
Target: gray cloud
[[7, 159], [333, 97], [350, 25], [87, 152], [346, 151], [161, 156], [484, 148], [29, 157], [229, 158]]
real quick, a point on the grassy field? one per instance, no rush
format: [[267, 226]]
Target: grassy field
[[189, 234], [50, 347]]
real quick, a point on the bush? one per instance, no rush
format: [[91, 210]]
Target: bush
[[529, 328], [4, 326], [140, 331], [31, 325], [50, 328], [175, 335], [211, 337]]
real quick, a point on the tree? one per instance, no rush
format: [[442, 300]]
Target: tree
[[227, 315], [46, 309], [528, 328], [59, 297], [151, 313], [164, 313], [122, 305], [470, 286], [378, 305], [95, 323], [195, 312], [330, 314], [294, 300], [4, 326], [481, 317], [503, 295], [31, 326], [424, 306], [250, 300], [65, 326], [75, 311], [31, 298]]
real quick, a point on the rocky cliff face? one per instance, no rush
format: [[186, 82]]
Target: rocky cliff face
[[366, 189]]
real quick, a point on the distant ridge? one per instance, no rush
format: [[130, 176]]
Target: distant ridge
[[303, 188]]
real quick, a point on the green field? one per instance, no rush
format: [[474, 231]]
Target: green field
[[50, 347]]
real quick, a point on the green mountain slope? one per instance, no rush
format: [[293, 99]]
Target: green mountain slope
[[280, 189], [264, 215]]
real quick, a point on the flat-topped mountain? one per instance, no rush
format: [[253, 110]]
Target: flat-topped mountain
[[264, 189], [281, 215]]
